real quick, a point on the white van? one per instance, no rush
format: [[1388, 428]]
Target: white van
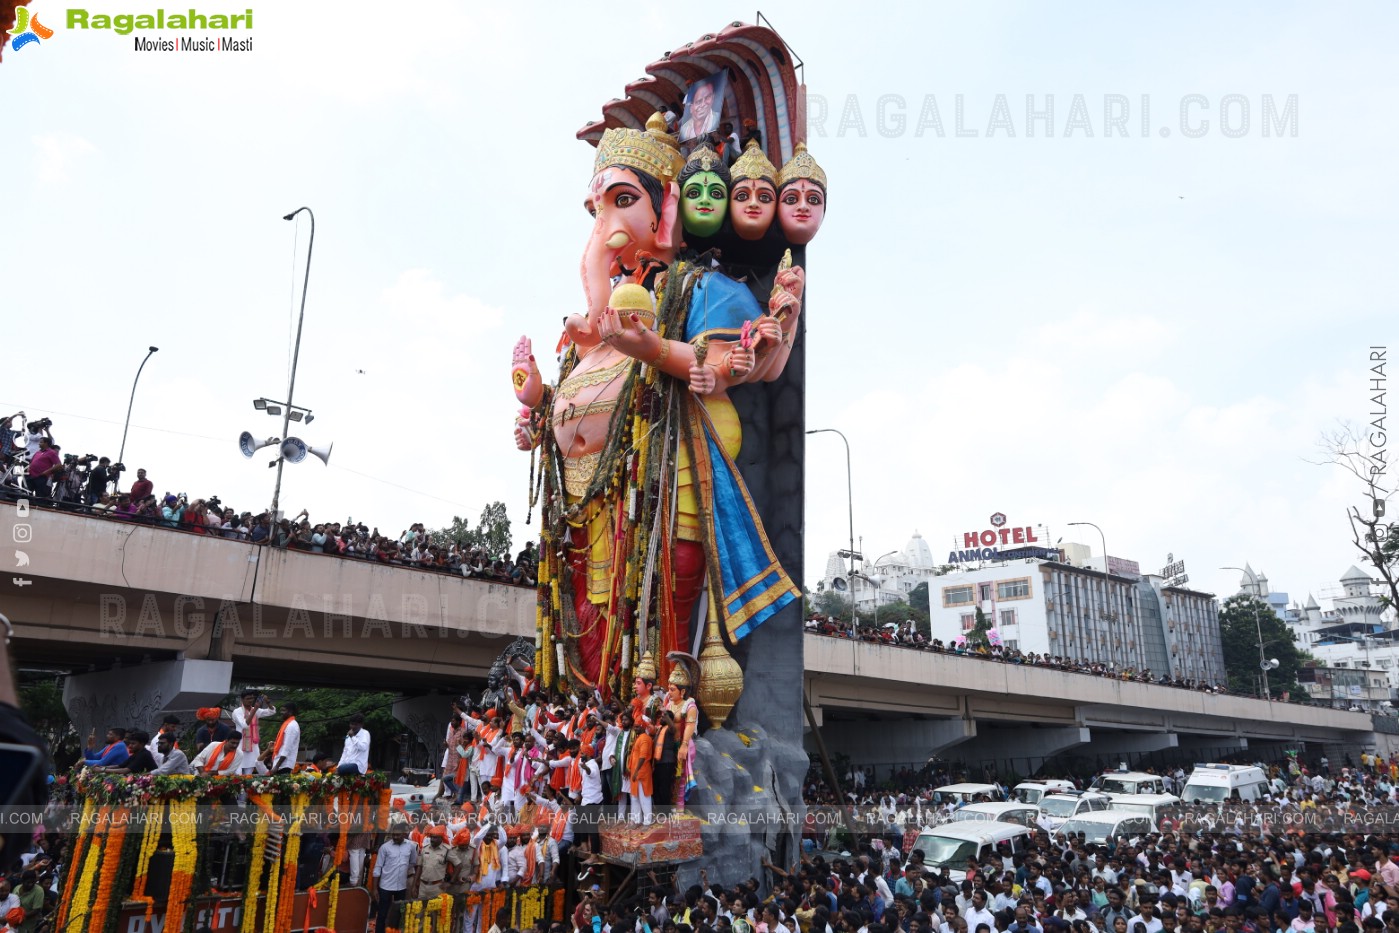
[[965, 793], [1152, 805], [1023, 814], [1032, 791], [1216, 783], [1115, 783], [1102, 825], [950, 845]]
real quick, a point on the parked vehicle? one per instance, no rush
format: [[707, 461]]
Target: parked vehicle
[[1100, 826], [1120, 782], [1032, 791], [1056, 808], [1022, 814], [949, 846], [1216, 783]]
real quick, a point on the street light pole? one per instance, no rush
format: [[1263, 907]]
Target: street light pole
[[1258, 624], [295, 356], [1106, 574], [850, 505], [122, 454]]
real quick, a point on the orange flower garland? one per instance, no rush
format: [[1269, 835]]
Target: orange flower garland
[[82, 898], [111, 861], [182, 836], [291, 851], [79, 852], [444, 913], [155, 823], [385, 808]]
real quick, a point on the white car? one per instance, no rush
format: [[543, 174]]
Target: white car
[[1056, 808]]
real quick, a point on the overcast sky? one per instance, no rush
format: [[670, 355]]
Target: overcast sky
[[1147, 332]]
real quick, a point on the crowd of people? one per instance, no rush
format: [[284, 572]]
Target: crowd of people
[[523, 778], [907, 635], [34, 467]]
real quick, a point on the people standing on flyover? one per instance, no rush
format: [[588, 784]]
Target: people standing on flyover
[[355, 757]]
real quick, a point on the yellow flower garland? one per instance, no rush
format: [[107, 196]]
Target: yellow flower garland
[[255, 866], [82, 899], [155, 823], [334, 899], [183, 837], [85, 838]]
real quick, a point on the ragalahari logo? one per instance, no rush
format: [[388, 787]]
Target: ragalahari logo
[[28, 30]]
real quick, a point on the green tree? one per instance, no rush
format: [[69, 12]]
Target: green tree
[[324, 715], [976, 638], [833, 604], [1240, 620], [492, 535], [918, 597], [42, 702]]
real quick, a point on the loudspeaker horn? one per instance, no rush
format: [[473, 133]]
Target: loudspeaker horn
[[250, 445], [294, 449]]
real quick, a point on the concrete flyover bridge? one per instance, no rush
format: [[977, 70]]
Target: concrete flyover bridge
[[152, 619], [929, 703]]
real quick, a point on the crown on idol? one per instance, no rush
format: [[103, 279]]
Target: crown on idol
[[754, 164], [801, 165], [652, 150]]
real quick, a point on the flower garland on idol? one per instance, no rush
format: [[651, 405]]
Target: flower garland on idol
[[183, 833]]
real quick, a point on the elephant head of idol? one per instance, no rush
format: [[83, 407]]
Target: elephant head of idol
[[634, 200]]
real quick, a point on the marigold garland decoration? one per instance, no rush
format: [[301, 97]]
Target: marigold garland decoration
[[82, 899], [85, 839], [256, 863], [111, 861], [183, 833], [334, 899], [155, 824]]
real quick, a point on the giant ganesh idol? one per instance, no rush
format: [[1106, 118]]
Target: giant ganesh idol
[[652, 548]]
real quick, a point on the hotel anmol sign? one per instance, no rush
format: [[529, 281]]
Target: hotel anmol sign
[[1002, 541]]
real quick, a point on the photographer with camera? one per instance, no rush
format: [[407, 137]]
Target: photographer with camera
[[43, 466], [173, 510], [97, 479], [37, 431], [11, 438]]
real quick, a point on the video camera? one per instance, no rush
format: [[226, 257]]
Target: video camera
[[43, 424]]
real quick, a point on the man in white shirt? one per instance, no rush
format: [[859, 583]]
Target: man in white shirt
[[1146, 914], [245, 720], [287, 746], [355, 758], [218, 757], [397, 859], [978, 912], [170, 725]]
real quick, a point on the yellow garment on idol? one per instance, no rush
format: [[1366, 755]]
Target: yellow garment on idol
[[596, 523]]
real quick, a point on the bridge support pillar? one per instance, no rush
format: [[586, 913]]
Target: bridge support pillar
[[1211, 747], [1119, 747], [1021, 750], [138, 697], [910, 742]]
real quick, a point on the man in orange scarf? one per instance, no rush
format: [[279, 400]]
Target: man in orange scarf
[[640, 757], [287, 746], [219, 757]]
